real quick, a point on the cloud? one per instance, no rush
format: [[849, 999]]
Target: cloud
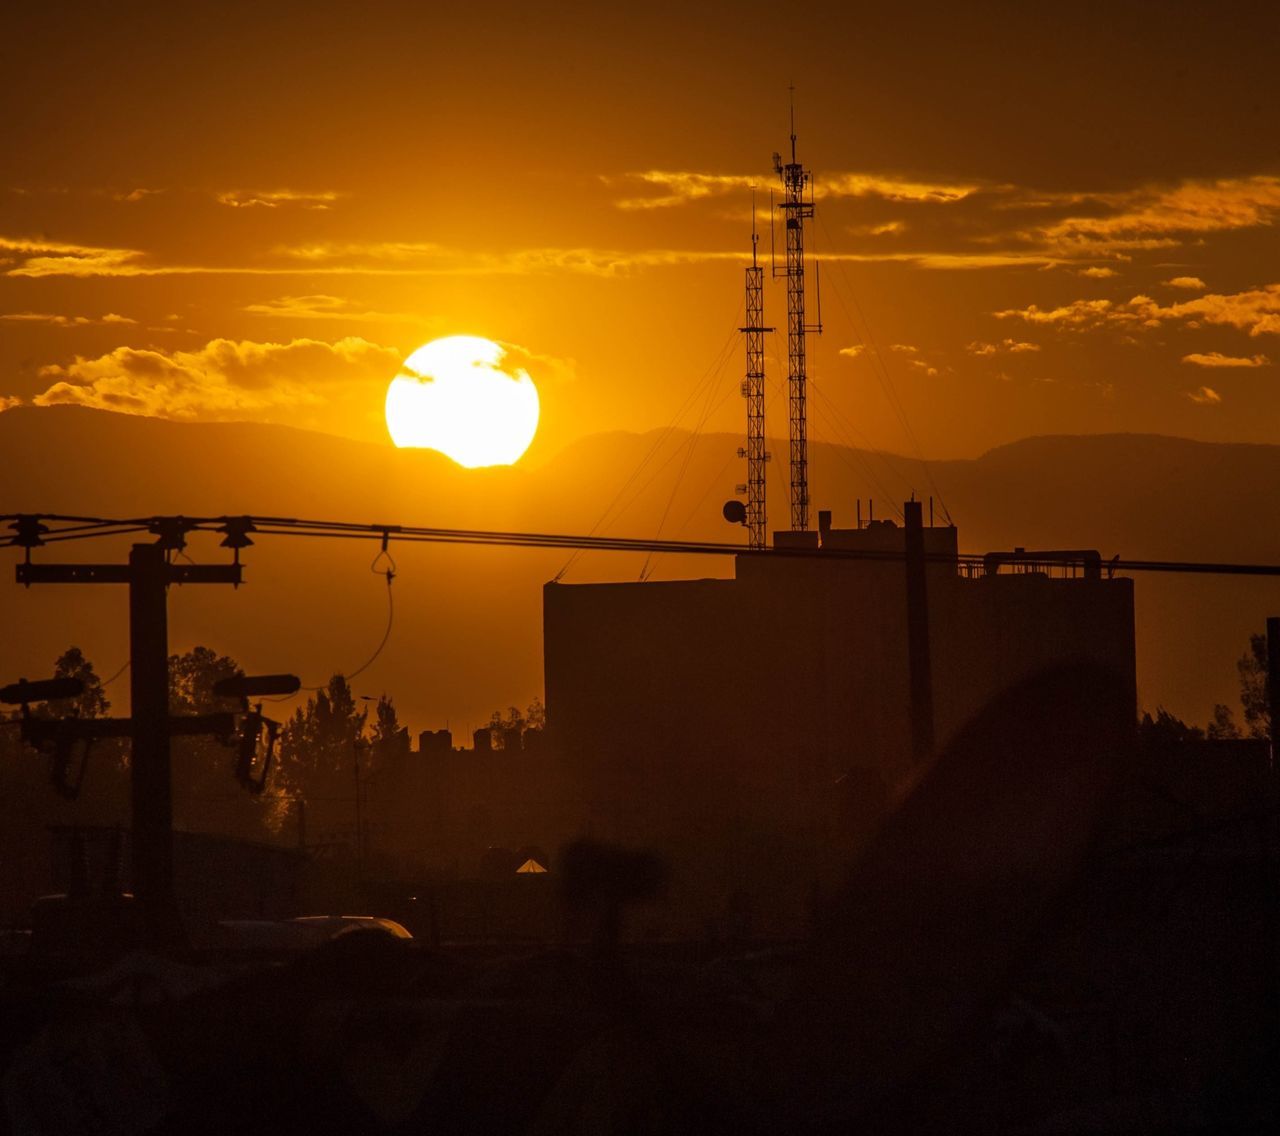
[[912, 358], [1256, 311], [224, 379], [132, 196], [884, 229], [683, 186], [275, 198], [854, 351], [1191, 207], [1205, 396], [1217, 359], [1078, 313], [39, 258], [680, 187], [1005, 346], [950, 260], [1192, 283], [322, 307], [1086, 227], [412, 258], [889, 188], [1023, 224], [54, 258], [8, 402], [66, 321], [419, 258]]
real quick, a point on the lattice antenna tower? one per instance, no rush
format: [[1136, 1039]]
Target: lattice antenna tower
[[797, 207], [753, 391]]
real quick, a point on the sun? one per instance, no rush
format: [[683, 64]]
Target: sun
[[456, 396]]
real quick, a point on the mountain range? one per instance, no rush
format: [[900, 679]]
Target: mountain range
[[466, 626]]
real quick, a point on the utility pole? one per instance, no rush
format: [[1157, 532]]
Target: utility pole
[[150, 781], [148, 575]]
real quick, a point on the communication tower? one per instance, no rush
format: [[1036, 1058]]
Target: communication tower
[[796, 209], [753, 391]]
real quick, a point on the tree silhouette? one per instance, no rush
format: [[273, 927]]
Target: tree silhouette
[[206, 795], [1252, 667], [28, 803], [318, 743], [1165, 728], [92, 702], [1223, 726], [533, 718], [191, 680], [387, 737]]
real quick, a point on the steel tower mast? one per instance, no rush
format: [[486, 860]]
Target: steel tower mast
[[796, 210], [753, 391]]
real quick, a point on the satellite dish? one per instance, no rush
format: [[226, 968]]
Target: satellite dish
[[735, 512]]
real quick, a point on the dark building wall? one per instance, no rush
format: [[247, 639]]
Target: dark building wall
[[715, 719], [433, 812], [803, 660], [990, 632]]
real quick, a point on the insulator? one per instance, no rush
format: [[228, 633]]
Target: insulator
[[172, 531], [236, 530], [28, 531]]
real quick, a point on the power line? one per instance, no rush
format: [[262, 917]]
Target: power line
[[708, 376], [348, 530], [691, 444], [882, 373]]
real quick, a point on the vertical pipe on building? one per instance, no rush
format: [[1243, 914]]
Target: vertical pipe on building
[[919, 666], [1267, 835], [1273, 679]]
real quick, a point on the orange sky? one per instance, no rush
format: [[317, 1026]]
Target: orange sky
[[1034, 220]]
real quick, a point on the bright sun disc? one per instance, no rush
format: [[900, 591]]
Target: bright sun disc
[[454, 395]]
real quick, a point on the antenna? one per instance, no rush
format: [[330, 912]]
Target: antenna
[[797, 208], [755, 236], [773, 255], [753, 391], [791, 92]]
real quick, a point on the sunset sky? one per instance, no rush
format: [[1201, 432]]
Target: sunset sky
[[1033, 219]]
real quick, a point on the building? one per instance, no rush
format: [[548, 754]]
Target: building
[[753, 729]]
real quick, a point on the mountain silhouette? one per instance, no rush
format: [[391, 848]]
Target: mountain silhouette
[[467, 634]]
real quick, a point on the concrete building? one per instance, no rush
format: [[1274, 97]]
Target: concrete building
[[753, 728]]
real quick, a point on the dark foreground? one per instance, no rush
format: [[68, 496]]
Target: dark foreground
[[1056, 932]]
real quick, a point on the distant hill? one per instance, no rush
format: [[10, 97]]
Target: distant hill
[[468, 622]]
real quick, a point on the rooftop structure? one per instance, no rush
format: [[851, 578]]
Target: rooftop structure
[[751, 725]]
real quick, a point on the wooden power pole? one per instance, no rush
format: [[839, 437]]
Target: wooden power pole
[[148, 574]]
